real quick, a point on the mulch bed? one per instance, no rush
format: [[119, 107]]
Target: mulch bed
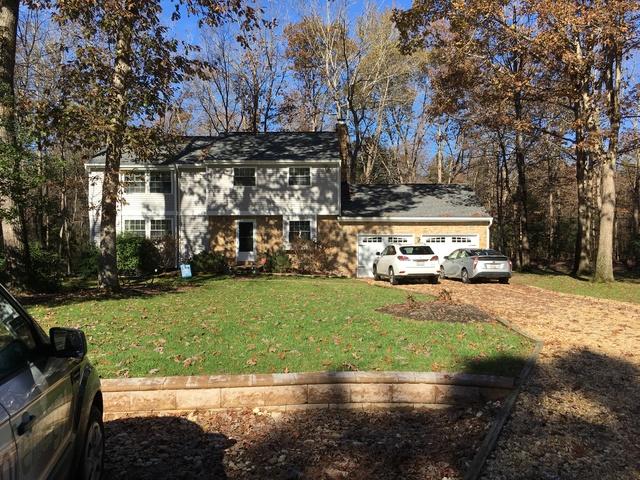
[[441, 310], [314, 444]]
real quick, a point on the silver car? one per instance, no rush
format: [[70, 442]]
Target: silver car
[[50, 401], [470, 264]]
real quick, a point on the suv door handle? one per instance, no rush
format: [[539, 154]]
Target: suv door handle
[[26, 424]]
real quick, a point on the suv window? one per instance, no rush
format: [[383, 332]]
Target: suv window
[[453, 255], [391, 250], [17, 343]]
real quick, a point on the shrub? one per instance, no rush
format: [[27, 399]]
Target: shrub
[[312, 257], [46, 270], [209, 262], [136, 255], [87, 263], [277, 261], [166, 247]]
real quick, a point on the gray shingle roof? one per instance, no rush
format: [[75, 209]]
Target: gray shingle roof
[[412, 200], [235, 147]]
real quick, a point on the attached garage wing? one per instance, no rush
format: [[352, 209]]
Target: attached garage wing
[[443, 245], [370, 244]]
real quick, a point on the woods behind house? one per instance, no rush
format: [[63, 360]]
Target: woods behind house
[[532, 103]]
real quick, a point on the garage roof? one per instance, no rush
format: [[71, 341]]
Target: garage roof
[[244, 147], [418, 200]]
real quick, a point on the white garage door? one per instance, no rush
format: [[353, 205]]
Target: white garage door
[[368, 245], [443, 245]]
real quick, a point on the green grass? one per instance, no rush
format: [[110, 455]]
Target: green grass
[[626, 289], [284, 324]]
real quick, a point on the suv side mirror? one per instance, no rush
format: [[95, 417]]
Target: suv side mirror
[[377, 254], [68, 342]]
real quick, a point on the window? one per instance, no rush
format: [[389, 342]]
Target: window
[[391, 250], [372, 240], [245, 177], [299, 176], [135, 227], [17, 344], [160, 228], [461, 239], [134, 182], [299, 229], [397, 240], [435, 239], [160, 182], [419, 250]]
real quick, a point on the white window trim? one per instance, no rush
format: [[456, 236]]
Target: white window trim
[[171, 181], [147, 182], [252, 257], [255, 177], [298, 185], [313, 219], [147, 224]]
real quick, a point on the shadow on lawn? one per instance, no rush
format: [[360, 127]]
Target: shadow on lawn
[[175, 285]]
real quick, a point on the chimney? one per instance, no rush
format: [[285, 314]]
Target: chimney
[[343, 142]]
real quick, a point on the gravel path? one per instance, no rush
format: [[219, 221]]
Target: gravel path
[[579, 416], [314, 444]]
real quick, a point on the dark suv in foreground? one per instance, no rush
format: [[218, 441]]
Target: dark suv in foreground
[[50, 401]]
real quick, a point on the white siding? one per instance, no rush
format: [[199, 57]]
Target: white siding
[[272, 194], [194, 235], [193, 192], [95, 199]]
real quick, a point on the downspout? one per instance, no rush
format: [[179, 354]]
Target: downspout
[[176, 212]]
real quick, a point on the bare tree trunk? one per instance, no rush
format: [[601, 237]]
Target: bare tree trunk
[[604, 259], [15, 234], [108, 266]]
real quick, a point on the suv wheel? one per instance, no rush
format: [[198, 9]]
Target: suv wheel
[[93, 448], [441, 273], [375, 273], [504, 280], [392, 277], [465, 276]]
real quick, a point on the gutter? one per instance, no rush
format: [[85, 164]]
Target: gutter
[[417, 219]]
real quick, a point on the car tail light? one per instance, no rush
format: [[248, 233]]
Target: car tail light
[[510, 265], [475, 262], [434, 258], [403, 257]]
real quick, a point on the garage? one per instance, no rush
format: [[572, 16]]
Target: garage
[[443, 245], [370, 244]]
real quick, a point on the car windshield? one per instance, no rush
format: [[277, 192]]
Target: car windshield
[[419, 250], [485, 253]]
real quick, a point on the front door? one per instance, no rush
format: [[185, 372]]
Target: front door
[[245, 241]]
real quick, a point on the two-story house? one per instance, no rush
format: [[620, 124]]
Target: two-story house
[[245, 194]]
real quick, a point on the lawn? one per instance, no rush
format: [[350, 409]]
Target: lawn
[[626, 289], [281, 324]]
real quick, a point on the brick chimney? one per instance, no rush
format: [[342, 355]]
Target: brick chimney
[[343, 142]]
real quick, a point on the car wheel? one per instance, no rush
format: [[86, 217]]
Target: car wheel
[[434, 280], [504, 280], [441, 273], [92, 462], [392, 277], [375, 273], [465, 276]]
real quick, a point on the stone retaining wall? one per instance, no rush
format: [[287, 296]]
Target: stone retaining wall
[[290, 391]]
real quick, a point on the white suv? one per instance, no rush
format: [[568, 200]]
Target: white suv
[[406, 261]]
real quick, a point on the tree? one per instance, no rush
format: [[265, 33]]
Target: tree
[[126, 70]]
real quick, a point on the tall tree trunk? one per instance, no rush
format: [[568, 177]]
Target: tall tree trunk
[[108, 265], [582, 259], [14, 234], [613, 78], [522, 190]]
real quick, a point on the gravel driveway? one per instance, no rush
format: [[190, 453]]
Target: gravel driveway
[[579, 416]]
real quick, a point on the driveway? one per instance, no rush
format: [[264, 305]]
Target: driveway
[[579, 415]]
